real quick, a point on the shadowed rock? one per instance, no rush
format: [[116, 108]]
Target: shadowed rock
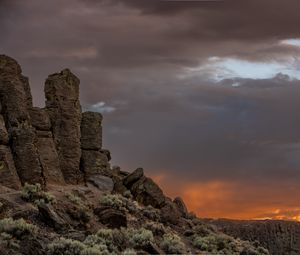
[[133, 177], [8, 173], [94, 162], [91, 131], [16, 100], [181, 206], [63, 106]]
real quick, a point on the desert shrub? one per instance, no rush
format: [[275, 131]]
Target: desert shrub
[[138, 237], [156, 228], [107, 237], [129, 251], [34, 193], [64, 246], [16, 228], [75, 199], [118, 202], [9, 241], [81, 211], [151, 213], [172, 244], [127, 194], [214, 242]]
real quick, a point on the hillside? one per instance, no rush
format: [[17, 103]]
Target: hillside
[[60, 196], [280, 237]]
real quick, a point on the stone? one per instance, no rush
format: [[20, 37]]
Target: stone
[[63, 106], [101, 182], [94, 162], [40, 119], [133, 177], [152, 248], [181, 207], [49, 158], [26, 155], [50, 217], [3, 132], [91, 131], [110, 217], [16, 100], [170, 213], [147, 192], [8, 172]]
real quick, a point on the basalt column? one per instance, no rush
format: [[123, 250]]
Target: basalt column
[[16, 100], [47, 151], [63, 106], [94, 160]]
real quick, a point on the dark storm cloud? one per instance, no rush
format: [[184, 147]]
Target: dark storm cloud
[[133, 58]]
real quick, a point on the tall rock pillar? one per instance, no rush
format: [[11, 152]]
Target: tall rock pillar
[[63, 106], [94, 160], [16, 101]]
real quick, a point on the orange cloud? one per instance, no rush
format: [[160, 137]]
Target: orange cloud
[[225, 199]]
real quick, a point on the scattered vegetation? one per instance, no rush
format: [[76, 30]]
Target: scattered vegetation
[[16, 228], [151, 213], [34, 193], [172, 244], [63, 246], [119, 202], [139, 237], [9, 241]]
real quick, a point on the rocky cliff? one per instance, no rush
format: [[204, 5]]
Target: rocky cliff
[[55, 144], [280, 237], [60, 196]]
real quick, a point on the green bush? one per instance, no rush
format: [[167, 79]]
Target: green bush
[[129, 251], [138, 237], [118, 202], [172, 244], [9, 242], [64, 246], [34, 193], [151, 213], [16, 228]]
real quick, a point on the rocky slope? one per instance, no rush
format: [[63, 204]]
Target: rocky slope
[[60, 196], [280, 237]]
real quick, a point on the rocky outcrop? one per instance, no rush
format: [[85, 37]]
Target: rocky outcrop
[[46, 144], [63, 106], [94, 160], [16, 101]]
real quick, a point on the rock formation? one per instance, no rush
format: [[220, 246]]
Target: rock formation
[[45, 145], [63, 106]]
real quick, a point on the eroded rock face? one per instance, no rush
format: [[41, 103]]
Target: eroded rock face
[[91, 131], [8, 173], [94, 160], [16, 101], [63, 106]]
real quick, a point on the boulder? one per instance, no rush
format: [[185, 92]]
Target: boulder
[[63, 106], [181, 206], [169, 212], [50, 217], [94, 162], [8, 173], [91, 131], [147, 192], [133, 177], [3, 132], [101, 182], [111, 217]]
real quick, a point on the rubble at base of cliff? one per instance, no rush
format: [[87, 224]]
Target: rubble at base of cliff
[[59, 194]]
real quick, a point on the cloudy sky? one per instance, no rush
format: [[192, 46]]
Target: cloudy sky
[[203, 94]]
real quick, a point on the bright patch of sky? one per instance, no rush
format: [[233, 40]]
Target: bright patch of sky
[[101, 107], [292, 42], [217, 69]]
